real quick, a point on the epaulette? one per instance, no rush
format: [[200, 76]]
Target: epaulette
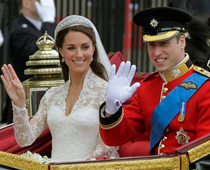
[[152, 75], [202, 71]]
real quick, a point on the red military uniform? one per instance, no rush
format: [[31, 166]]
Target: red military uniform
[[133, 121]]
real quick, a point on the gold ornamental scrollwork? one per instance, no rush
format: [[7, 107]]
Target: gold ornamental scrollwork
[[47, 62], [172, 163], [44, 71], [20, 162], [165, 163], [185, 163], [199, 151]]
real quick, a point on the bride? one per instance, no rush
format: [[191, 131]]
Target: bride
[[70, 110]]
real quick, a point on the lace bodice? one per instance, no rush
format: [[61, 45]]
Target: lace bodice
[[74, 137]]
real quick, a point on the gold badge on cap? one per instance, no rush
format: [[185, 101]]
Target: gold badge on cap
[[154, 23], [182, 136]]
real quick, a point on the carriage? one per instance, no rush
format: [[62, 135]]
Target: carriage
[[194, 155]]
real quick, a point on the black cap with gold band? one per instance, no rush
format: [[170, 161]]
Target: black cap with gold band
[[161, 23]]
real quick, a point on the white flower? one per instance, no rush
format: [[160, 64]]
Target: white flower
[[43, 160]]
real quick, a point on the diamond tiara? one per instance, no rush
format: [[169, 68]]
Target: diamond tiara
[[72, 20]]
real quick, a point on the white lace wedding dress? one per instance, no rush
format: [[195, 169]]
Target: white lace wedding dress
[[74, 137]]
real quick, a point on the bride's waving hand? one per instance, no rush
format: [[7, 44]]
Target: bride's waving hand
[[13, 85]]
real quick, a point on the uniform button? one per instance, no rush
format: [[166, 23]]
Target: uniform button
[[162, 146], [167, 130], [164, 138], [165, 89], [163, 97]]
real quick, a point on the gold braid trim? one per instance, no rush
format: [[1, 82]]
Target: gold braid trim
[[113, 124], [202, 71]]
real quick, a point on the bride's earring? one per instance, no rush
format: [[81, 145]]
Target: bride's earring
[[92, 59], [63, 59]]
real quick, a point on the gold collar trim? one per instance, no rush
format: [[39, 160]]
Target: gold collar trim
[[177, 71]]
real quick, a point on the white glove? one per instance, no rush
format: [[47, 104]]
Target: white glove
[[1, 38], [119, 89], [46, 10]]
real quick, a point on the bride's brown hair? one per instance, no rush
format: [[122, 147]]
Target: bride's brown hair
[[95, 65]]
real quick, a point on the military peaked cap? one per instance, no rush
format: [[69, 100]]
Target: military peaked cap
[[161, 23]]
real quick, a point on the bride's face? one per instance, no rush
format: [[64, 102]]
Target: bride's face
[[78, 51]]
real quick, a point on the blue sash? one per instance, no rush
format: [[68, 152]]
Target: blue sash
[[168, 108]]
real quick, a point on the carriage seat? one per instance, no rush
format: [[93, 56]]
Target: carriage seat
[[42, 145]]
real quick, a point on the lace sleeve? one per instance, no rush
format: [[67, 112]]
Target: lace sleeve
[[27, 131], [103, 150]]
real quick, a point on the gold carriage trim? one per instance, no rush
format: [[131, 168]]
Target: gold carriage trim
[[112, 125], [136, 163], [199, 151], [172, 163], [185, 163], [21, 162]]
